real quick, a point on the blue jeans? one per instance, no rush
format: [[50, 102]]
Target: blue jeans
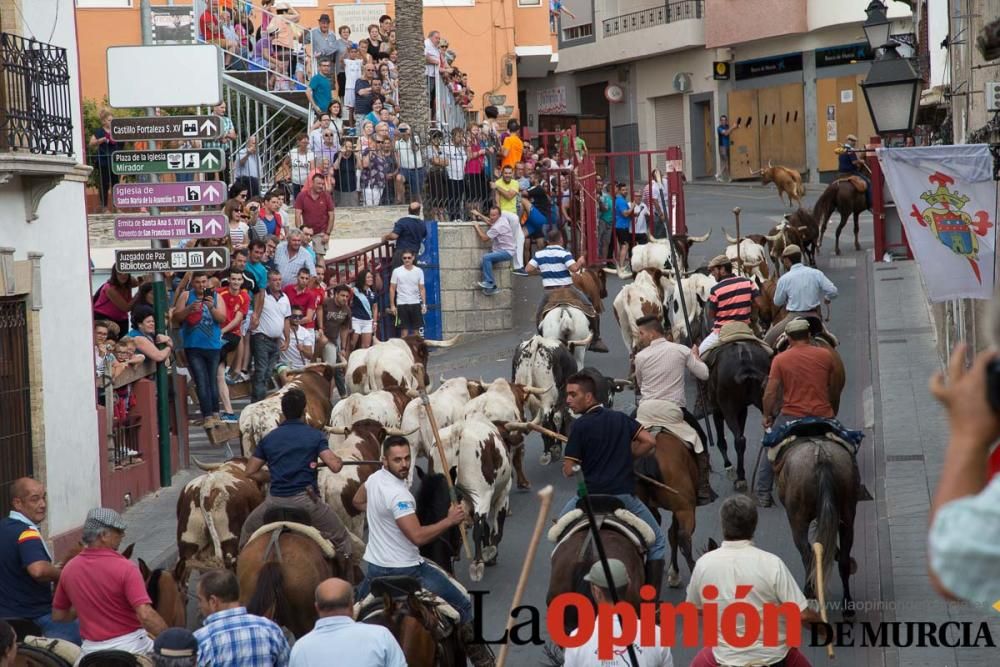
[[659, 549], [69, 631], [265, 357], [430, 577], [491, 258], [415, 181], [203, 364], [765, 473]]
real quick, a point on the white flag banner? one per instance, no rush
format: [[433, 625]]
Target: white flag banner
[[947, 201]]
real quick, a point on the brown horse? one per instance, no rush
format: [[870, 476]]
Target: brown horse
[[678, 469], [168, 597], [818, 481], [572, 558], [843, 197], [279, 573]]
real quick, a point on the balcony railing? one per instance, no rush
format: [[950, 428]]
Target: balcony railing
[[647, 18], [35, 110]]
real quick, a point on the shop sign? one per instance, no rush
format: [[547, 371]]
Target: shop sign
[[552, 100], [751, 69], [843, 55]]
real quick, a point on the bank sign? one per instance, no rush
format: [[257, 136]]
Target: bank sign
[[843, 55], [751, 69]]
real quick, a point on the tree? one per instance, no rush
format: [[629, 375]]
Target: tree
[[413, 96]]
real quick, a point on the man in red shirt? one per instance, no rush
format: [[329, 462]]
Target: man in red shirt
[[237, 302], [314, 208], [800, 384], [106, 591], [304, 295]]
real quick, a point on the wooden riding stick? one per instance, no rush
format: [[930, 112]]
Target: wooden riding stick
[[425, 399], [655, 482], [739, 258], [820, 592], [545, 502]]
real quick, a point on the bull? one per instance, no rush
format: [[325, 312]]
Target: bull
[[641, 298], [386, 406], [780, 237], [788, 182], [656, 253], [260, 418], [695, 289], [390, 364], [544, 362], [749, 257], [211, 510], [806, 225]]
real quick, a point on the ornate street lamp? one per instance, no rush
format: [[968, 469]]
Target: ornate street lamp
[[876, 25], [892, 92]]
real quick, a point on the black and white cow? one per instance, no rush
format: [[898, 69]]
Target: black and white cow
[[544, 362]]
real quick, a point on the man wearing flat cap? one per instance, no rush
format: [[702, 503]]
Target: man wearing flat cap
[[731, 299], [802, 290], [849, 164], [106, 592], [800, 384], [600, 590]]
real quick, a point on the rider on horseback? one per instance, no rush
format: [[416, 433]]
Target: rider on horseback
[[605, 443], [849, 164], [802, 290], [800, 384], [730, 300], [659, 372], [395, 536]]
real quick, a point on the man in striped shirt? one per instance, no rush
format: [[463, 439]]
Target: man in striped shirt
[[730, 300]]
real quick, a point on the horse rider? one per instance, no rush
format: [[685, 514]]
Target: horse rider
[[395, 536], [798, 386], [290, 452], [736, 565], [802, 290], [849, 164], [730, 300], [556, 265], [659, 374], [605, 444]]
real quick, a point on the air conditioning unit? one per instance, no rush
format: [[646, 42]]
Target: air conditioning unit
[[682, 82], [993, 95]]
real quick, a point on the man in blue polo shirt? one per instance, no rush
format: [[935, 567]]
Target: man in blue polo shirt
[[290, 452], [408, 233], [26, 569], [623, 228], [605, 444]]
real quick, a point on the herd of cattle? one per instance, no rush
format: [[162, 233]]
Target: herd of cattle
[[481, 424]]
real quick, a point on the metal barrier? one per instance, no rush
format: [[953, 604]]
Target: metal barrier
[[377, 258]]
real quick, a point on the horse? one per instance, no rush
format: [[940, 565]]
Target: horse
[[572, 557], [677, 468], [280, 570], [843, 197], [817, 480], [167, 594], [735, 382], [433, 502]]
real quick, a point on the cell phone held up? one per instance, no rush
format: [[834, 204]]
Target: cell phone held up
[[993, 384]]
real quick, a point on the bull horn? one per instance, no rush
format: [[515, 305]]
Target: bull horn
[[337, 430], [207, 467], [578, 343], [413, 393], [699, 239], [400, 432], [339, 364], [769, 165], [517, 426], [536, 391], [441, 379], [442, 343], [730, 238], [802, 229], [772, 239]]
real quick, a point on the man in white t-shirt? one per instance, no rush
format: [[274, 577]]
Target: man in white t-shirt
[[301, 345], [586, 655], [738, 563], [408, 296], [640, 213], [395, 536]]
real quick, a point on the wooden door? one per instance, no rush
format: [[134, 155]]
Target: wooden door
[[841, 111], [792, 125], [769, 108], [743, 148], [594, 131], [708, 140]]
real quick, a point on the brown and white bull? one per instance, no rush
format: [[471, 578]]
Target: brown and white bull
[[788, 181], [390, 364], [543, 362], [696, 288], [385, 406], [749, 257], [448, 403], [807, 226], [638, 299], [485, 475], [211, 510], [778, 238], [258, 419]]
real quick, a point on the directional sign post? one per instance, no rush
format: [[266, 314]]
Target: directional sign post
[[167, 162], [192, 193], [142, 260], [177, 226], [166, 128]]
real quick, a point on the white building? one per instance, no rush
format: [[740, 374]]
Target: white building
[[48, 425]]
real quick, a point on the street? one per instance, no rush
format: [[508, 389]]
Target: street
[[707, 206]]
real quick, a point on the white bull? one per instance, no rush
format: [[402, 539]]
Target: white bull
[[749, 257], [696, 289], [386, 406], [448, 403], [636, 300], [543, 362], [390, 363], [569, 326]]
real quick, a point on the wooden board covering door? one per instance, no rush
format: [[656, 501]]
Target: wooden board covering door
[[744, 146], [792, 124], [708, 140], [769, 127], [841, 110]]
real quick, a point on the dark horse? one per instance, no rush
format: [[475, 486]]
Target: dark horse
[[818, 481], [571, 560], [843, 197], [735, 382], [403, 610]]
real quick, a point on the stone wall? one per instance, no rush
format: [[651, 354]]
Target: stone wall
[[464, 307]]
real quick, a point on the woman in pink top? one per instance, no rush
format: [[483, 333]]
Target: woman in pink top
[[114, 299], [477, 186]]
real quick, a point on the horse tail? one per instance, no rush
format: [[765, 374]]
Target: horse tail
[[826, 203], [748, 370], [268, 598], [827, 517]]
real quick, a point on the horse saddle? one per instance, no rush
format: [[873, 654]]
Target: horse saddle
[[859, 183], [782, 438], [816, 329], [565, 296], [276, 528], [609, 512], [60, 648], [733, 332], [439, 617]]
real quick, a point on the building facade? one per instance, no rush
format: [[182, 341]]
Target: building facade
[[786, 72], [49, 425]]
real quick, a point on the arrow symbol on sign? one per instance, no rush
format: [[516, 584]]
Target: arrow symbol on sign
[[214, 259], [209, 160], [208, 127], [211, 193], [213, 226]]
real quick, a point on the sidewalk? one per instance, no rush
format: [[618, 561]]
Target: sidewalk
[[911, 434]]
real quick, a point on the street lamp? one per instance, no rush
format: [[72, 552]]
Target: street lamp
[[892, 92], [876, 25]]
